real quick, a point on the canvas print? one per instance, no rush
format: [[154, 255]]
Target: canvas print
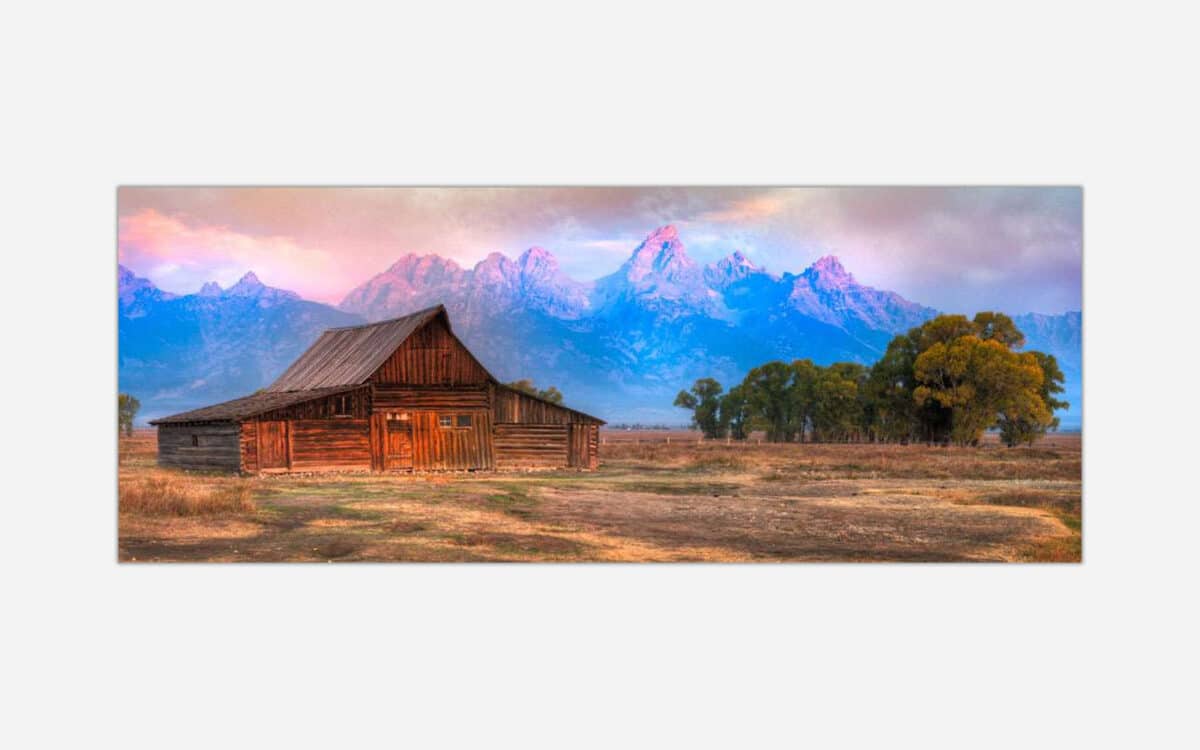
[[599, 374]]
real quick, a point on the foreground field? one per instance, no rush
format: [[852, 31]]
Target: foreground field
[[649, 501]]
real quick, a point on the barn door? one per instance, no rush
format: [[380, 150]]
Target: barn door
[[272, 445], [398, 450]]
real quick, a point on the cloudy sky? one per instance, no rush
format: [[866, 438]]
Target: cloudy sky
[[956, 249]]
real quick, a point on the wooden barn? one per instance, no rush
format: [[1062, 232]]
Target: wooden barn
[[399, 395]]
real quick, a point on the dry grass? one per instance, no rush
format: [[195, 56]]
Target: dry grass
[[159, 495], [648, 502]]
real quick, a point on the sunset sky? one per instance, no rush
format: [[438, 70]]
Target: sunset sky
[[956, 249]]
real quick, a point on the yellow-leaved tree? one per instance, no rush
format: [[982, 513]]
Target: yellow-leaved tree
[[979, 380]]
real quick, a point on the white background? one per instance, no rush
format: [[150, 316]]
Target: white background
[[99, 655]]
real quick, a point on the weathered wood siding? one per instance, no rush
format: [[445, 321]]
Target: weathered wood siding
[[217, 446], [537, 446], [249, 446], [393, 398], [593, 461], [272, 446], [330, 444], [378, 441], [513, 407], [432, 355], [437, 448], [398, 452], [584, 446], [351, 404]]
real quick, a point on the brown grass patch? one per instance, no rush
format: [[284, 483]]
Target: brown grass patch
[[161, 495], [1065, 502]]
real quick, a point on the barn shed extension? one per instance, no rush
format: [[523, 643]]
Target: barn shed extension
[[399, 395]]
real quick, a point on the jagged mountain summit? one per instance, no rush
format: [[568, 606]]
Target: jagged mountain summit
[[135, 295], [827, 292], [730, 270], [660, 276], [533, 280]]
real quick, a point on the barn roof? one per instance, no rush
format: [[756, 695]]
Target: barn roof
[[348, 356], [249, 406]]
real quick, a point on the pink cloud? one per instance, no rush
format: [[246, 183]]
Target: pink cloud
[[181, 257], [756, 208]]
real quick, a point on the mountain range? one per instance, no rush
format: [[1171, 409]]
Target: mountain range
[[619, 347]]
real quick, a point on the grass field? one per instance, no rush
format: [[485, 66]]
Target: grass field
[[649, 501]]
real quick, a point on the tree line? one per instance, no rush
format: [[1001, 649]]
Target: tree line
[[946, 381]]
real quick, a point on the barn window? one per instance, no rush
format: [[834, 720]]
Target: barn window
[[463, 420], [195, 441], [445, 421], [342, 406]]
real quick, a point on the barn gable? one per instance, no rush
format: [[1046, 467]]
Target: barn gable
[[431, 356], [350, 356]]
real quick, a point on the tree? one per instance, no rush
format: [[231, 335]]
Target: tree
[[1015, 428], [127, 409], [772, 400], [836, 409], [977, 381], [734, 413], [704, 402], [899, 416], [525, 385], [803, 387]]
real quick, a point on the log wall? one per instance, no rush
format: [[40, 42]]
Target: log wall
[[217, 447], [531, 446]]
